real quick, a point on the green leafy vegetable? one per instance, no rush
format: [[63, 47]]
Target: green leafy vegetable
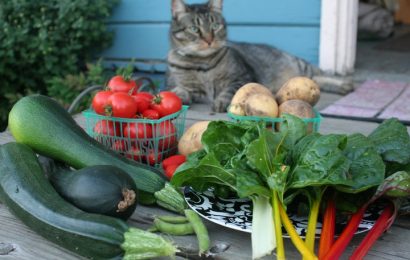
[[392, 141], [274, 168]]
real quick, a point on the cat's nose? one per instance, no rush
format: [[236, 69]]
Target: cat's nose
[[208, 38]]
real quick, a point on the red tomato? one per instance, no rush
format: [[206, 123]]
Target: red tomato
[[121, 105], [107, 127], [120, 84], [166, 132], [152, 159], [135, 154], [177, 159], [170, 170], [166, 103], [143, 100], [100, 101], [150, 114], [138, 130]]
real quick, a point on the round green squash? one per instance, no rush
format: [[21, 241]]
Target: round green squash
[[102, 189]]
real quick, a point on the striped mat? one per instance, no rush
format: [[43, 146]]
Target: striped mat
[[374, 100]]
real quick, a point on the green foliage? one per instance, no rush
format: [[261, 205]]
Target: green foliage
[[66, 89], [43, 39]]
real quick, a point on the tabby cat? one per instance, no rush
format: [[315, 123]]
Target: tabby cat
[[203, 64]]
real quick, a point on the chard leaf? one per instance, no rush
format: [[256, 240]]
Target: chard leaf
[[224, 133], [248, 184], [320, 162], [392, 141], [301, 147], [208, 170], [264, 153], [294, 127], [367, 167], [396, 185]]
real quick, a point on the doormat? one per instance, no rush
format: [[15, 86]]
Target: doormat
[[399, 44], [374, 100]]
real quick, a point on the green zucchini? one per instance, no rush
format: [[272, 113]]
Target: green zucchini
[[25, 190], [102, 189], [41, 123]]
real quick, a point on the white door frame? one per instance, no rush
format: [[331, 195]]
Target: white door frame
[[338, 36]]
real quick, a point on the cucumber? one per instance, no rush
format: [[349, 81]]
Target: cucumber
[[25, 190], [41, 123]]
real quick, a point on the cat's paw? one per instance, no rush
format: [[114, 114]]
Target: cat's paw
[[220, 106], [184, 95]]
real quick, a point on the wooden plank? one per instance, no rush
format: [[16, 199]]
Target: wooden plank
[[149, 42], [291, 12]]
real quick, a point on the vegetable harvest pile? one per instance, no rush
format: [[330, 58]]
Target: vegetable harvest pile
[[292, 170], [105, 186], [280, 171]]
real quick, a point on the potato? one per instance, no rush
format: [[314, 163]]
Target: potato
[[236, 109], [191, 140], [297, 108], [247, 90], [302, 88], [261, 105]]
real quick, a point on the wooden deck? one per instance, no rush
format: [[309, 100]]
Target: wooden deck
[[28, 245]]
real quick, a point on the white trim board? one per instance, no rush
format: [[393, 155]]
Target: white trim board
[[338, 36]]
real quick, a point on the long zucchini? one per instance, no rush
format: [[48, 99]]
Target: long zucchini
[[25, 190], [41, 123]]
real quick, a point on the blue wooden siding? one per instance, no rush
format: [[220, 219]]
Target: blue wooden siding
[[141, 28]]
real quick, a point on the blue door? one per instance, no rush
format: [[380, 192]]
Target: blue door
[[141, 29]]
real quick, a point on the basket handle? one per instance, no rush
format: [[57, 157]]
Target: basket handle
[[150, 83], [77, 100], [81, 95]]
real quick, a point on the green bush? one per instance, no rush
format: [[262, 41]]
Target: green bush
[[43, 39]]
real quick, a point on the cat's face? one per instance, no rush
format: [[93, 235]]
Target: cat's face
[[197, 30]]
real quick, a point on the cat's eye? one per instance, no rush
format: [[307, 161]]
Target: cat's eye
[[216, 26], [193, 29]]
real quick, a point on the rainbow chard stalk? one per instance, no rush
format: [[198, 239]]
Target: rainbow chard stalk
[[347, 163], [328, 228]]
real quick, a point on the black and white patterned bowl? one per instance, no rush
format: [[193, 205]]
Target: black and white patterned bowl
[[236, 213]]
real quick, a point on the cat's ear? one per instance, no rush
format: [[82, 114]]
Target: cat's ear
[[177, 7], [215, 5]]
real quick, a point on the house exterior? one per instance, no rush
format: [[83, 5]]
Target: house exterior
[[322, 32]]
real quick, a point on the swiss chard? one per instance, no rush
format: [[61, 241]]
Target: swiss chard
[[273, 168]]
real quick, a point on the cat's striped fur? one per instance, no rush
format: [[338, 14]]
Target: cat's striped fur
[[203, 64]]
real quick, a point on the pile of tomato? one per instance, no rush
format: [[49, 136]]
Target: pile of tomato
[[148, 141]]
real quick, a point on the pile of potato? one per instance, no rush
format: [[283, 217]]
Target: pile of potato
[[297, 97]]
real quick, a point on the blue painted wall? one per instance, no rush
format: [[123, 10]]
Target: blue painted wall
[[141, 28]]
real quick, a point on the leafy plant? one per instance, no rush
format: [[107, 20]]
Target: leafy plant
[[46, 38], [273, 168], [66, 89]]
